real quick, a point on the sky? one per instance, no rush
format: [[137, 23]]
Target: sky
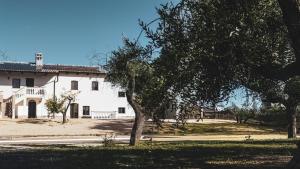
[[69, 31]]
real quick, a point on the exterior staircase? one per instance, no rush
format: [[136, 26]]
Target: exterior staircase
[[8, 105], [29, 92]]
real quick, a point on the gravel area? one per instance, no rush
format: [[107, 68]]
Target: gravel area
[[15, 128], [45, 127]]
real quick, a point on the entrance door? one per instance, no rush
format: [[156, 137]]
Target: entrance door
[[31, 109], [74, 110], [8, 109]]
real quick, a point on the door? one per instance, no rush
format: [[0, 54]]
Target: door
[[31, 109], [74, 110], [8, 109]]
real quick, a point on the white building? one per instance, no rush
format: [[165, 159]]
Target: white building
[[24, 88]]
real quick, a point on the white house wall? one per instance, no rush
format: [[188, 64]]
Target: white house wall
[[105, 99]]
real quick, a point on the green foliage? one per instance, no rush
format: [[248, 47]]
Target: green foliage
[[273, 115], [130, 60], [109, 140], [58, 105], [211, 47], [55, 105], [132, 64], [292, 88], [242, 115]]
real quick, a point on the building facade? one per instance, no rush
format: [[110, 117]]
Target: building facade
[[25, 87]]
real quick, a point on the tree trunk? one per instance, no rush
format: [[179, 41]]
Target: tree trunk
[[139, 120], [137, 129], [65, 112], [291, 16], [295, 162], [292, 121], [64, 118]]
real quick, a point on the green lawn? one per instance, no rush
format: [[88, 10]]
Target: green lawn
[[200, 154], [214, 129]]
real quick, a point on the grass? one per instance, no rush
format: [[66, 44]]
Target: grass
[[213, 129], [268, 154]]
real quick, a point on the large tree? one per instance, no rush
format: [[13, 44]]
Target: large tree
[[131, 68], [210, 47]]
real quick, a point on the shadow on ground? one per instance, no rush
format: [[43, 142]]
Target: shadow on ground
[[118, 126], [185, 155], [36, 121]]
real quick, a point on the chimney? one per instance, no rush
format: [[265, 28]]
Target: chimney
[[39, 61]]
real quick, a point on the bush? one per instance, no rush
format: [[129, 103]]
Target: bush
[[273, 115], [109, 140], [242, 115]]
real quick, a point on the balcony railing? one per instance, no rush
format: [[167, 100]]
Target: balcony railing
[[30, 92], [103, 114]]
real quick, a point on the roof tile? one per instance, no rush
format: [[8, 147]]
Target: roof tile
[[31, 67]]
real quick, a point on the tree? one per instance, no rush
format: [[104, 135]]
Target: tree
[[131, 68], [242, 115], [60, 105], [291, 15], [210, 47], [205, 55]]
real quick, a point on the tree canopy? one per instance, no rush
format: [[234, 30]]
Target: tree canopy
[[209, 48]]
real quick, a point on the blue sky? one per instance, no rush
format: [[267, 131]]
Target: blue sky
[[69, 31]]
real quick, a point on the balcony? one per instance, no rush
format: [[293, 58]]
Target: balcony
[[29, 92]]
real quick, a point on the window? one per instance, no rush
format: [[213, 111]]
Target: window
[[16, 83], [121, 110], [86, 110], [121, 94], [29, 82], [74, 85], [95, 85]]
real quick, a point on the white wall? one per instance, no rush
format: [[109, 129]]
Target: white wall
[[105, 99], [6, 81]]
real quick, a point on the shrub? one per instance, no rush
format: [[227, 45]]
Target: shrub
[[272, 115], [109, 140]]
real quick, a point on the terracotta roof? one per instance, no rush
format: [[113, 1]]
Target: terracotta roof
[[31, 67]]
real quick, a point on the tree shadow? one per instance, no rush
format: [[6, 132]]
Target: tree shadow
[[118, 126], [36, 121], [121, 157]]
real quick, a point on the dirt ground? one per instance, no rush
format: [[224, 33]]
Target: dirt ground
[[88, 127], [45, 127]]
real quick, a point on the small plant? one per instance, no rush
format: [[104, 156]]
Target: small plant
[[109, 140], [60, 105], [248, 138]]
